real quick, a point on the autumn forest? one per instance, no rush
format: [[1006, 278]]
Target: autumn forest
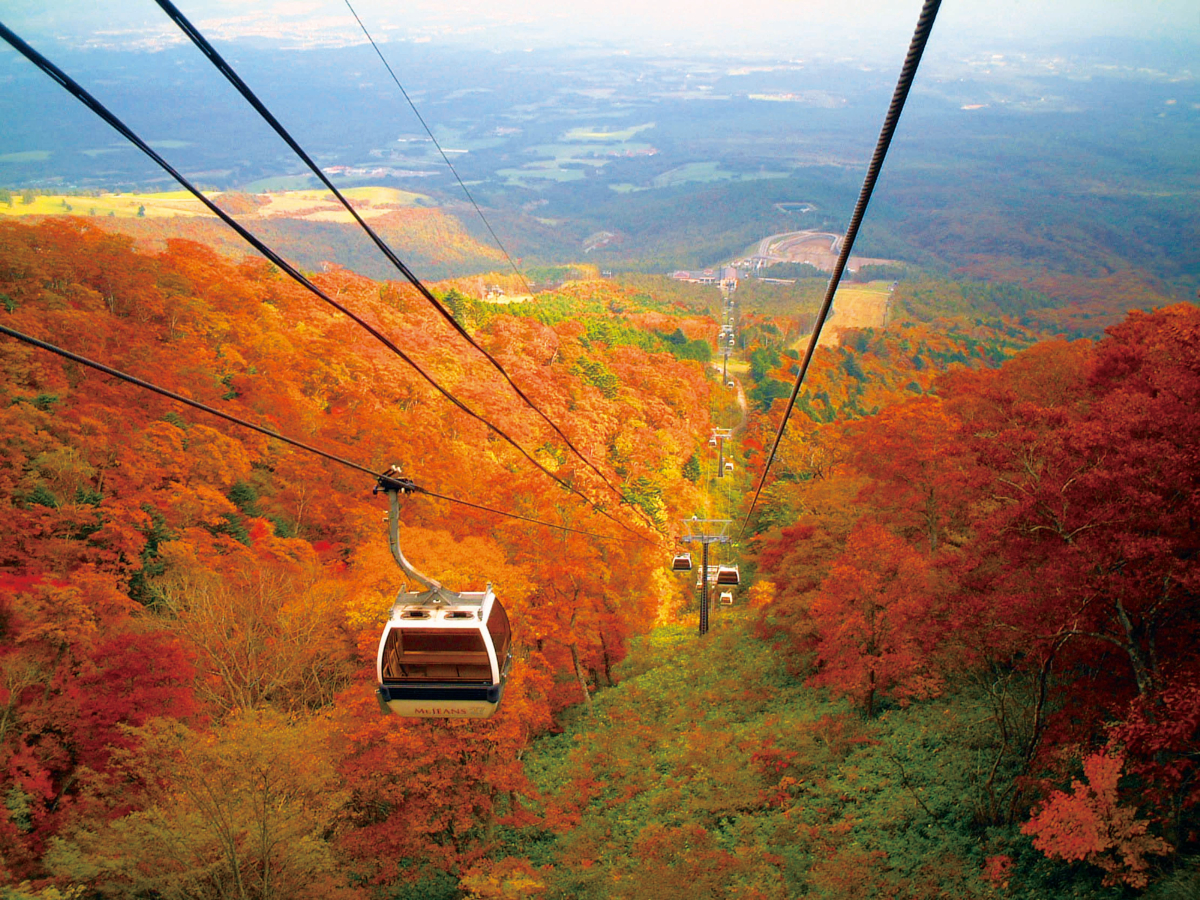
[[963, 661], [524, 305]]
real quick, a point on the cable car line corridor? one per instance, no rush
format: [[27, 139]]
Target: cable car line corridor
[[717, 569]]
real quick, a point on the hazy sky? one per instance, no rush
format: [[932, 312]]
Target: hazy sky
[[772, 26]]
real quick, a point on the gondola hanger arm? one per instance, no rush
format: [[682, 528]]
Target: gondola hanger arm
[[393, 483]]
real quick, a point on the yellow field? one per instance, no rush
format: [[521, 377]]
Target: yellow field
[[380, 196], [596, 134], [126, 206], [860, 306], [862, 291], [312, 205]]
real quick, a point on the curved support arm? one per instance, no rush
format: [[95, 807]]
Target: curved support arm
[[394, 541]]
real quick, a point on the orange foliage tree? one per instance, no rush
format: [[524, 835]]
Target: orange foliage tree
[[1090, 823]]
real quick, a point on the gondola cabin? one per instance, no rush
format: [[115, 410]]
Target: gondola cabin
[[728, 575], [444, 655], [682, 562], [726, 598], [728, 467]]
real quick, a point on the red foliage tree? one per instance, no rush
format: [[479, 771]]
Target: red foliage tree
[[875, 621]]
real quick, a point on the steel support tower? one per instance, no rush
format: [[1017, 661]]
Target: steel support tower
[[705, 532]]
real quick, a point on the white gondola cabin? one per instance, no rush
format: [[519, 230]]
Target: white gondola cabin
[[726, 598], [442, 654], [682, 562], [728, 467]]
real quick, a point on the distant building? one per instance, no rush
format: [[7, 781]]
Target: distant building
[[708, 276]]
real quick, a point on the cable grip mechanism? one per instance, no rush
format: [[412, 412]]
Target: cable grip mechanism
[[393, 481]]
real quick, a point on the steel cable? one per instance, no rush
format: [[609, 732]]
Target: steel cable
[[445, 158], [907, 73]]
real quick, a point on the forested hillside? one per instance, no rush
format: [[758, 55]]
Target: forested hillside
[[190, 612], [434, 241], [962, 661]]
